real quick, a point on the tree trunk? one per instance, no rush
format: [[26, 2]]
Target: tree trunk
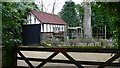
[[42, 5], [53, 9], [87, 20]]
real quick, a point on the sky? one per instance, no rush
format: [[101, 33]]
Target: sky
[[59, 4]]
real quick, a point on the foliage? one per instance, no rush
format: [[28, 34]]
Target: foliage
[[0, 23], [80, 11], [13, 14], [69, 15], [73, 42], [105, 42], [100, 19], [114, 12], [108, 47], [52, 41]]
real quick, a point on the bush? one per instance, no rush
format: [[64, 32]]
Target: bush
[[52, 41], [73, 42], [105, 42]]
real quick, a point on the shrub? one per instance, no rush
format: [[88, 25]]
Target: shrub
[[105, 42], [52, 41]]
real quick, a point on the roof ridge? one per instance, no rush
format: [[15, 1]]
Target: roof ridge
[[44, 12], [47, 17]]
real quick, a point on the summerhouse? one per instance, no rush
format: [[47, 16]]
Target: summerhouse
[[50, 24]]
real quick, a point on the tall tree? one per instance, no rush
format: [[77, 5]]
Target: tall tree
[[87, 20], [53, 9], [45, 5], [69, 15], [114, 11], [100, 20], [80, 11]]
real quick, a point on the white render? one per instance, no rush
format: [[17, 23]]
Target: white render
[[44, 26]]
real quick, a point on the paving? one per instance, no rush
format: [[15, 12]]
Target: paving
[[100, 57]]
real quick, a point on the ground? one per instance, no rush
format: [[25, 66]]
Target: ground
[[77, 56]]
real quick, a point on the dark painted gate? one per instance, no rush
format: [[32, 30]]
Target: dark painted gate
[[31, 34], [71, 60]]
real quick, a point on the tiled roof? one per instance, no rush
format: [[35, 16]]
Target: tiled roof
[[47, 18]]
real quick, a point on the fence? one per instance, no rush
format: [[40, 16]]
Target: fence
[[71, 60]]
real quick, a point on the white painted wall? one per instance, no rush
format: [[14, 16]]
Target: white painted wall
[[45, 27], [52, 28], [32, 19], [41, 28], [45, 30]]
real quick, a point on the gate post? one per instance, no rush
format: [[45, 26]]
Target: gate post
[[9, 57]]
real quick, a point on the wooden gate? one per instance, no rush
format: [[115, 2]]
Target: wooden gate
[[71, 60]]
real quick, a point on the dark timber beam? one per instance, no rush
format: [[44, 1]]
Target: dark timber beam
[[48, 59], [68, 62], [72, 60], [25, 59], [109, 61]]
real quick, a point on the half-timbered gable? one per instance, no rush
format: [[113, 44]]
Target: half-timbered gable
[[50, 23]]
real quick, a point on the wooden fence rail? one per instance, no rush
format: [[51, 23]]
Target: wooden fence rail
[[71, 60]]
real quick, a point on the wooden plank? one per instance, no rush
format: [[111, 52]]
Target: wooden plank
[[68, 62], [72, 60], [85, 50], [58, 49], [48, 59], [109, 61], [22, 67], [25, 59]]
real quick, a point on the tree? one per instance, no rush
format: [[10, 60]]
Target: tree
[[87, 20], [114, 12], [80, 11], [69, 15], [53, 9], [100, 20], [44, 5], [13, 14]]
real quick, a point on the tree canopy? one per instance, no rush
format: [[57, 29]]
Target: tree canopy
[[13, 14], [100, 19], [80, 11], [113, 10], [69, 15]]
